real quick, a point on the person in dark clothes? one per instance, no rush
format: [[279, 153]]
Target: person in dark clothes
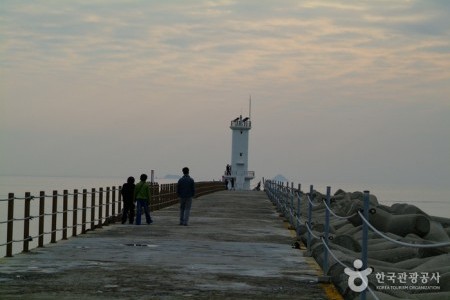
[[128, 200], [186, 191]]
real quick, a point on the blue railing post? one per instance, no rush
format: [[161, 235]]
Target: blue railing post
[[288, 201], [283, 201], [283, 198], [298, 209], [276, 192], [365, 238], [311, 196], [291, 208], [327, 229], [270, 188]]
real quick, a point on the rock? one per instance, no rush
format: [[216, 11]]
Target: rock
[[433, 296], [381, 244], [400, 222], [435, 264], [445, 222], [394, 255], [345, 228], [406, 209], [397, 224], [360, 196], [437, 233], [348, 242], [411, 263]]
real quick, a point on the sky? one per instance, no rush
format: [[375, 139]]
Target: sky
[[354, 91]]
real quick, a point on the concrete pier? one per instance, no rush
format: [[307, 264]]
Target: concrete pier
[[235, 247]]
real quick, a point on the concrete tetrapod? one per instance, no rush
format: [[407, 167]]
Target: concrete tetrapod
[[401, 222]]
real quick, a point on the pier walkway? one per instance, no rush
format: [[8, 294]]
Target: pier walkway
[[235, 247]]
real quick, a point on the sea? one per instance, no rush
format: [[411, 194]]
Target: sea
[[19, 185], [433, 200]]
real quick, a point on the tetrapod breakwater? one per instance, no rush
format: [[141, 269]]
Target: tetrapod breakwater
[[369, 250]]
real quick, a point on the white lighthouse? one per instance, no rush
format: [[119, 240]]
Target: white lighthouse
[[239, 173]]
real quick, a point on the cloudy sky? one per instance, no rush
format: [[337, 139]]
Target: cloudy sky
[[355, 91]]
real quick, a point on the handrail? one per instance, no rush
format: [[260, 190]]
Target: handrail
[[334, 214], [100, 207], [432, 245], [280, 194]]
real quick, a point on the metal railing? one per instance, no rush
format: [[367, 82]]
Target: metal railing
[[289, 200], [98, 207], [244, 123]]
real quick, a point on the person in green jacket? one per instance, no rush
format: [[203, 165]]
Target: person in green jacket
[[142, 196]]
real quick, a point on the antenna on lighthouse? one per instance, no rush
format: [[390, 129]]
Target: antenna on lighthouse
[[250, 107]]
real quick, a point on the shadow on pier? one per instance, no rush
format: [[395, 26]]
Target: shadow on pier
[[236, 247]]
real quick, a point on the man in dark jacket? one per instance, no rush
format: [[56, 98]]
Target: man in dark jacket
[[186, 191], [128, 200]]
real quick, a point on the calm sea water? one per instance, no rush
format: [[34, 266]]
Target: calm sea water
[[34, 184], [432, 200]]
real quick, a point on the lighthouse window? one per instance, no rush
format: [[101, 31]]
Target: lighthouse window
[[240, 154], [241, 131]]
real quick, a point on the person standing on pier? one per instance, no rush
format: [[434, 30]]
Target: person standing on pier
[[128, 200], [142, 196], [186, 191]]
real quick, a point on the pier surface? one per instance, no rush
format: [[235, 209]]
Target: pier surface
[[235, 247]]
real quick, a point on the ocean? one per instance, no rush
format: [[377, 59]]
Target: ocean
[[432, 200], [34, 184]]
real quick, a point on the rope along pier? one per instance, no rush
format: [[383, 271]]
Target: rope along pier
[[340, 230], [58, 216]]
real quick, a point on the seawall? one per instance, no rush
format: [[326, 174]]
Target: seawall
[[406, 250]]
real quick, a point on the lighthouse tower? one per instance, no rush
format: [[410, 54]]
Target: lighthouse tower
[[239, 154]]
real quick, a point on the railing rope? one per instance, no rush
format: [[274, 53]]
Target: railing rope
[[404, 244], [337, 216], [281, 196], [107, 210]]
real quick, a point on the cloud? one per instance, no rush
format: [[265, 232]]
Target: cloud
[[165, 70], [130, 43]]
